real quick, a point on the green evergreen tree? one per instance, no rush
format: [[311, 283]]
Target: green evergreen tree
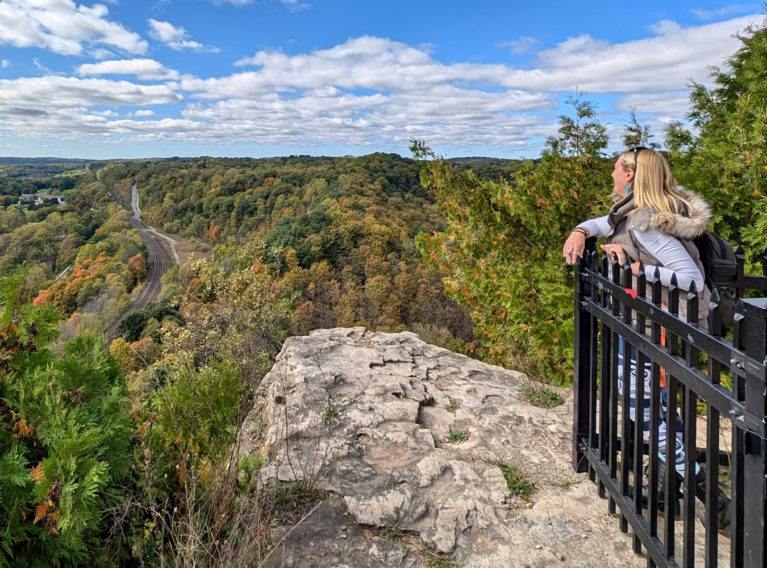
[[65, 439], [727, 160], [637, 134]]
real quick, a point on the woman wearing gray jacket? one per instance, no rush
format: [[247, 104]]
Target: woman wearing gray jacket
[[653, 222]]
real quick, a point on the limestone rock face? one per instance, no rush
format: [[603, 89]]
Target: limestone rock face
[[406, 437]]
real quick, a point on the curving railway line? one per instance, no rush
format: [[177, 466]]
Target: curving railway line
[[159, 262]]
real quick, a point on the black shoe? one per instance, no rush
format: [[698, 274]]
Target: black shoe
[[722, 504]]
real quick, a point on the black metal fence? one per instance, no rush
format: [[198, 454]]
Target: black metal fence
[[627, 339]]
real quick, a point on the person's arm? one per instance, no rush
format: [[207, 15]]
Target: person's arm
[[575, 244], [598, 227], [673, 256]]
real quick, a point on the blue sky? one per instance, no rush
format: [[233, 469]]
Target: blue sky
[[128, 79]]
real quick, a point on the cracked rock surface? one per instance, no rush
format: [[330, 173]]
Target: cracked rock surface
[[406, 437]]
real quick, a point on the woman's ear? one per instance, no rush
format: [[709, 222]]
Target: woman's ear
[[629, 175]]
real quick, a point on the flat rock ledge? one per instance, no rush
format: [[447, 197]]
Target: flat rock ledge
[[369, 417]]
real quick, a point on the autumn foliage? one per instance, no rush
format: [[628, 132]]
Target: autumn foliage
[[338, 231], [137, 266]]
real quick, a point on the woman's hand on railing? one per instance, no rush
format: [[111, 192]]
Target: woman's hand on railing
[[615, 252], [574, 247]]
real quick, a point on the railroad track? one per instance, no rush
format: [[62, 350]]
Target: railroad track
[[159, 262]]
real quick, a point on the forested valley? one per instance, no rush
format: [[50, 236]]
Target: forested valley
[[120, 453], [336, 234]]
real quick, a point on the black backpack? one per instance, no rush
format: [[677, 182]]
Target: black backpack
[[721, 269]]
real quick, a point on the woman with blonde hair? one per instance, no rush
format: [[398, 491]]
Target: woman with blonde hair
[[654, 222]]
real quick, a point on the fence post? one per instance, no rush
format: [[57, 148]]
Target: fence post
[[583, 361], [755, 459]]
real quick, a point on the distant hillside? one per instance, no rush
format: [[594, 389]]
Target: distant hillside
[[488, 168], [38, 168], [482, 160], [41, 160]]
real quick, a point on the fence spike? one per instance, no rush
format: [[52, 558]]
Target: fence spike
[[715, 314], [627, 275], [740, 261], [692, 304], [657, 287], [673, 295], [641, 281]]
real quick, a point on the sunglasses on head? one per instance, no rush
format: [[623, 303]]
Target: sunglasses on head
[[636, 151]]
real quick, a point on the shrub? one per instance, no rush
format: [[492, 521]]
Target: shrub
[[542, 397], [516, 483], [457, 435], [65, 440]]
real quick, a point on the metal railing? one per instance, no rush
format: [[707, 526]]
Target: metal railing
[[713, 384]]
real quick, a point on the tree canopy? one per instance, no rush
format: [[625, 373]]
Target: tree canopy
[[501, 249], [725, 156]]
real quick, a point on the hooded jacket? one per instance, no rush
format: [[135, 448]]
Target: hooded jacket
[[685, 226]]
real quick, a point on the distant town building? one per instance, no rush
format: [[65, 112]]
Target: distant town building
[[41, 198]]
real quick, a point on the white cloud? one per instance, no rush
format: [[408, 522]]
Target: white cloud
[[707, 15], [41, 67], [666, 61], [295, 5], [443, 114], [5, 64], [361, 63], [165, 31], [370, 92], [101, 53], [71, 108], [665, 27], [176, 37], [146, 69], [520, 45], [63, 27], [69, 92], [667, 103]]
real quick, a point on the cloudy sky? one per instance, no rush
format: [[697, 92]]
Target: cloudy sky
[[143, 78]]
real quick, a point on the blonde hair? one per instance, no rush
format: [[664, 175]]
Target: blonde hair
[[654, 185]]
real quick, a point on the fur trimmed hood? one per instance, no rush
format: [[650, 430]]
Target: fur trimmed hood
[[688, 224], [684, 226]]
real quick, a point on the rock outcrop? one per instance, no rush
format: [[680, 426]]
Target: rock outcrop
[[408, 439]]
